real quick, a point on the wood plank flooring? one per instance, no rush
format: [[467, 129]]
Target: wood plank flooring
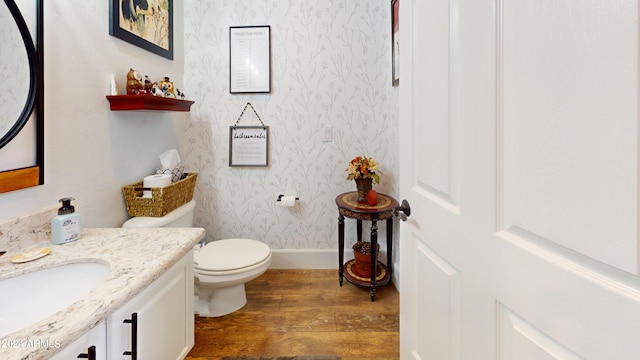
[[304, 312]]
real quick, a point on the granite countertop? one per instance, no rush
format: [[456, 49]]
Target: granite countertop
[[136, 258]]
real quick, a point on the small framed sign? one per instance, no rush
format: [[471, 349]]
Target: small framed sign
[[250, 59], [248, 146]]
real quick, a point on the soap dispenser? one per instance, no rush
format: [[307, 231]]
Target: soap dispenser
[[66, 226]]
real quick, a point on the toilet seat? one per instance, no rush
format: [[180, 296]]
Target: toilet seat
[[223, 257]]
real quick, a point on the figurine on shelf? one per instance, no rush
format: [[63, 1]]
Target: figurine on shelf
[[156, 90], [134, 82], [148, 84], [180, 94], [167, 87]]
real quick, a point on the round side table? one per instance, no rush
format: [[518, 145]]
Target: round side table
[[348, 206]]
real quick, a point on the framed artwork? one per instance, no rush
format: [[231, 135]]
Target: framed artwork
[[395, 42], [248, 146], [250, 59], [146, 24]]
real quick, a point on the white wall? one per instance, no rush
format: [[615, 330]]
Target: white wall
[[331, 67], [91, 152]]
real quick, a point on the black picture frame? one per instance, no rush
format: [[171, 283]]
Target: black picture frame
[[249, 50], [395, 42], [126, 26], [248, 146]]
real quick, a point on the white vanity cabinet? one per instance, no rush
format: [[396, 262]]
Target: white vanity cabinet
[[163, 323], [96, 338], [158, 323]]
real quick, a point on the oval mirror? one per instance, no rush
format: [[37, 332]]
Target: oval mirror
[[18, 74]]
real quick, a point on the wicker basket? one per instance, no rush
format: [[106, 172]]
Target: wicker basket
[[162, 200]]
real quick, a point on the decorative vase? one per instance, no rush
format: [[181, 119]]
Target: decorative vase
[[362, 257], [362, 263], [363, 186]]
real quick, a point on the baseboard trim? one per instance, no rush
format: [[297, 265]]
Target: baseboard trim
[[305, 259]]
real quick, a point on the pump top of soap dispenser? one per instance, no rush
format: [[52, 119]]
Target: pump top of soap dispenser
[[66, 208]]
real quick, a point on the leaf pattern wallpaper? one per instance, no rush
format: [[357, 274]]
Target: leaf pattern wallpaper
[[330, 69]]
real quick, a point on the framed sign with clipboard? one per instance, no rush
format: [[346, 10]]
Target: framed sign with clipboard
[[249, 145]]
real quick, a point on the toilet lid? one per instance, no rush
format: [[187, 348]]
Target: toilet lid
[[230, 254]]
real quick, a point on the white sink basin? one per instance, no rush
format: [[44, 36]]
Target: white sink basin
[[31, 297]]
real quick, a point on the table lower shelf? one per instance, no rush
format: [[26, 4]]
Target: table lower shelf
[[355, 278]]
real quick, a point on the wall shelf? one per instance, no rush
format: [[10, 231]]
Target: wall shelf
[[147, 102]]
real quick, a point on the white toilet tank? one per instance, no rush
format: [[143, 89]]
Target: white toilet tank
[[180, 217]]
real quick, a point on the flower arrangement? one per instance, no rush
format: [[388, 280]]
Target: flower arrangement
[[362, 167]]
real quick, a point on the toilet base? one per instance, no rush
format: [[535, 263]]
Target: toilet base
[[220, 301]]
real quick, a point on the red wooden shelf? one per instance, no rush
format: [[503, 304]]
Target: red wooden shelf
[[147, 102]]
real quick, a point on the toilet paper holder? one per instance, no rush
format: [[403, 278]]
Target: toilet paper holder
[[282, 195]]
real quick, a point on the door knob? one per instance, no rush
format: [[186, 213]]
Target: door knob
[[403, 211]]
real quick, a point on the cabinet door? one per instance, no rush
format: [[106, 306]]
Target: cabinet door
[[95, 337], [165, 318]]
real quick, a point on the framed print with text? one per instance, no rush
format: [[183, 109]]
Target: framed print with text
[[248, 146], [249, 59]]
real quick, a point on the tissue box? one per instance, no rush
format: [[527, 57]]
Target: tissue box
[[162, 200]]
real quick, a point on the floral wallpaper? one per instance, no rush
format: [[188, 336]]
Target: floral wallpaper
[[331, 75]]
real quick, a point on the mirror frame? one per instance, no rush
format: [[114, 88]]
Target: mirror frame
[[22, 178], [25, 34]]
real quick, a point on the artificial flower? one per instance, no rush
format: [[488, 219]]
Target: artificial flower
[[362, 167]]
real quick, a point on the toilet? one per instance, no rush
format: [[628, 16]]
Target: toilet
[[221, 267]]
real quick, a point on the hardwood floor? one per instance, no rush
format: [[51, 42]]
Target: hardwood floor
[[304, 312]]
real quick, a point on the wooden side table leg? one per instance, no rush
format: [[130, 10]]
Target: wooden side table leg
[[359, 229], [390, 245], [340, 247], [374, 257]]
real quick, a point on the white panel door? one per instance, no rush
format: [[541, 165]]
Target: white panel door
[[519, 143]]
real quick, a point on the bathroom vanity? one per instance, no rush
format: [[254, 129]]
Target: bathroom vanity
[[149, 286]]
